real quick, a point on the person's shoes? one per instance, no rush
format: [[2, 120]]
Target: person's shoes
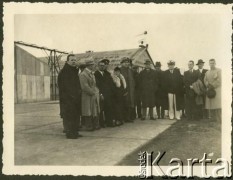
[[143, 118], [80, 135], [97, 128], [103, 126], [64, 131], [152, 118], [110, 125], [71, 136]]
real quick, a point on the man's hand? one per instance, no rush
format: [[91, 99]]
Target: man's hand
[[101, 97]]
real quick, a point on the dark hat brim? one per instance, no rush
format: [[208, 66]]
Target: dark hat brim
[[200, 63]]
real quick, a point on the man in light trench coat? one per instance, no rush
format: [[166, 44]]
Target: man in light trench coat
[[90, 97]]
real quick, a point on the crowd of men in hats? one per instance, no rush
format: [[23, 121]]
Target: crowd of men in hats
[[92, 98]]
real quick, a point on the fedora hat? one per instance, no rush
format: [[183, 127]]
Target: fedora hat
[[125, 59], [158, 64], [171, 62], [89, 62], [105, 61], [147, 61], [200, 61]]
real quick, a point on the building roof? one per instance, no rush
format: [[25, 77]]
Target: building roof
[[138, 56]]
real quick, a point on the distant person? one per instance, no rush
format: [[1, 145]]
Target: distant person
[[129, 104], [190, 77], [119, 93], [174, 88], [70, 97], [161, 97], [90, 97], [104, 83], [202, 112], [212, 82], [148, 85]]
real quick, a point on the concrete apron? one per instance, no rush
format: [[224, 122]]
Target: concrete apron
[[39, 139]]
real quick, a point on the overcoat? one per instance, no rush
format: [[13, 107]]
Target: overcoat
[[161, 97], [130, 85], [69, 91], [189, 79], [173, 83], [213, 77], [90, 94], [148, 85], [201, 75]]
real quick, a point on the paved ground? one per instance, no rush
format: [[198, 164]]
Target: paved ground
[[39, 139], [184, 140]]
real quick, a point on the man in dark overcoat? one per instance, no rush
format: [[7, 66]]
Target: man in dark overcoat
[[105, 84], [70, 97], [201, 111], [161, 98], [129, 103], [138, 102], [174, 88], [148, 86], [190, 77]]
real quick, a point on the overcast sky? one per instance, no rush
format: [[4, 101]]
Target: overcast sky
[[180, 37]]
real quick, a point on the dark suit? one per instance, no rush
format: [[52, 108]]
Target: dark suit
[[201, 75], [173, 86], [70, 98], [161, 97], [189, 79], [105, 84]]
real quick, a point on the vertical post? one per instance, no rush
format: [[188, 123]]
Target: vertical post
[[15, 76], [55, 79]]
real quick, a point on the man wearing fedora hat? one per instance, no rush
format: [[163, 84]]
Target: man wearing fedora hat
[[104, 83], [90, 97], [129, 103], [202, 112], [201, 71], [174, 88], [161, 98], [148, 86]]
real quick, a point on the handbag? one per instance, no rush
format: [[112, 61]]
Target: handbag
[[211, 93]]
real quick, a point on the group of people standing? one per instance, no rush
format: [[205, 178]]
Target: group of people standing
[[92, 98]]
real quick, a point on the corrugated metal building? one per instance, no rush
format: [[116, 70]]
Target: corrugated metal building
[[32, 78], [138, 56]]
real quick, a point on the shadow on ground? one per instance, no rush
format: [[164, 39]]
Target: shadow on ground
[[183, 140]]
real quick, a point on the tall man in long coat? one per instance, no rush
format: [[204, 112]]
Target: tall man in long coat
[[129, 104], [190, 77], [90, 97], [104, 83], [202, 112], [70, 97], [213, 80], [174, 88], [148, 86], [161, 97]]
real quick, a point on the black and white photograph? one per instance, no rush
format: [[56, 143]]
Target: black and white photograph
[[117, 89]]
